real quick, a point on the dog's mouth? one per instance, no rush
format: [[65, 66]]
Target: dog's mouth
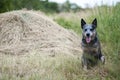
[[88, 39]]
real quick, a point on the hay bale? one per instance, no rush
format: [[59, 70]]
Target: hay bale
[[25, 31]]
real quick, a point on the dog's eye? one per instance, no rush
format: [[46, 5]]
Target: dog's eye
[[91, 29], [85, 29]]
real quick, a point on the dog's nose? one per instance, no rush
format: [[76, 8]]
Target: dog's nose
[[87, 34]]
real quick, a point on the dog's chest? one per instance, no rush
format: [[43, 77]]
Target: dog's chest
[[90, 48]]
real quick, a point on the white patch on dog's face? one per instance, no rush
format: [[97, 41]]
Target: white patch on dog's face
[[88, 30]]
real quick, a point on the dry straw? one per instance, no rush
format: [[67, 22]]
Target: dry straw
[[26, 31]]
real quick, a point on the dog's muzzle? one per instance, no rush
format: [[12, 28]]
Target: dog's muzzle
[[88, 38]]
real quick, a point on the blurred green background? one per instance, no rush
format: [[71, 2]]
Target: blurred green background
[[43, 5]]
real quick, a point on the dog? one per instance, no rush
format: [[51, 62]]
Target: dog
[[90, 45]]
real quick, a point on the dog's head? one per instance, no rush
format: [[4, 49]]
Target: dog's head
[[89, 32]]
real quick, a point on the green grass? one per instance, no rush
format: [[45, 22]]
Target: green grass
[[109, 34], [109, 29], [69, 24]]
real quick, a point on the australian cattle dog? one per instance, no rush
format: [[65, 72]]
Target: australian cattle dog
[[90, 45]]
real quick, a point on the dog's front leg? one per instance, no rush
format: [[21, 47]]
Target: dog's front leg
[[102, 58], [84, 63]]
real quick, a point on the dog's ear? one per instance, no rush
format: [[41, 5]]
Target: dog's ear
[[94, 22], [82, 23]]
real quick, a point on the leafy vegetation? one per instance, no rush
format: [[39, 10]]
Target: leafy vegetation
[[43, 5]]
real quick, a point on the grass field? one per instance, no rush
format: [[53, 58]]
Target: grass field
[[64, 67], [108, 31], [37, 67]]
